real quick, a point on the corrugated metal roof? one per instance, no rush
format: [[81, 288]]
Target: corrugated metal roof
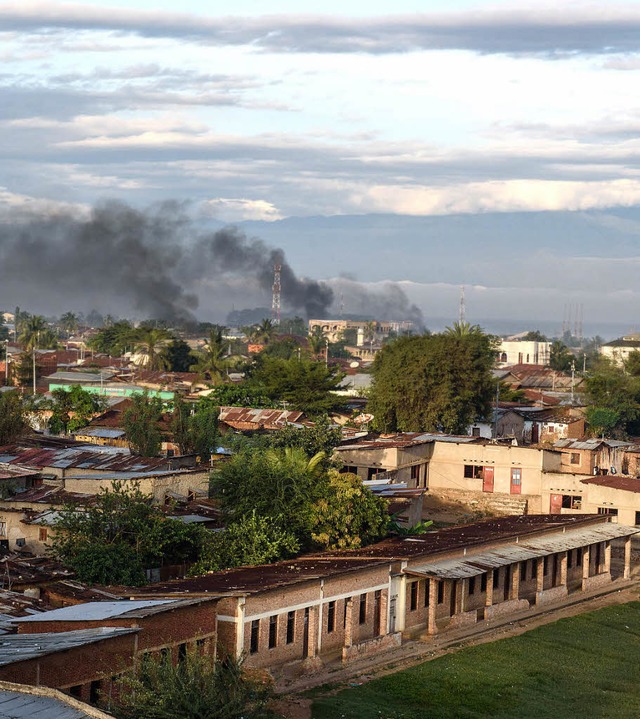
[[24, 705], [104, 432], [96, 611], [21, 647], [533, 548]]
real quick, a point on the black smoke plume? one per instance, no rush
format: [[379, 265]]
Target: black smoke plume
[[154, 262]]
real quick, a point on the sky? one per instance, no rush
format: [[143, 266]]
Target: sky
[[269, 111]]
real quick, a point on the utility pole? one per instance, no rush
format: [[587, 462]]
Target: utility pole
[[573, 378]]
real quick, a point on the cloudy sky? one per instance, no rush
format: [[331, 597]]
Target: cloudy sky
[[267, 111]]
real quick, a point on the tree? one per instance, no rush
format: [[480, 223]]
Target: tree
[[317, 340], [610, 387], [293, 326], [213, 362], [178, 357], [72, 409], [244, 394], [114, 339], [632, 364], [321, 437], [560, 358], [195, 427], [150, 342], [279, 484], [69, 323], [349, 515], [196, 688], [13, 422], [35, 334], [534, 336], [113, 540], [440, 382], [303, 384], [141, 424], [252, 540]]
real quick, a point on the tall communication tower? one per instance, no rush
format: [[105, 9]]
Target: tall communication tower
[[275, 302], [462, 312]]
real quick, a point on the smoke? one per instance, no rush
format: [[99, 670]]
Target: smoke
[[159, 264]]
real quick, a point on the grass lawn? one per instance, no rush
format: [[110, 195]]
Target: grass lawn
[[577, 668]]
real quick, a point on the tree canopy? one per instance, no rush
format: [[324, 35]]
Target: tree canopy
[[73, 408], [613, 398], [13, 421], [141, 424], [195, 426], [119, 536], [439, 382]]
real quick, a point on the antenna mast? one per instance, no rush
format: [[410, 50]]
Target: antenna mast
[[461, 315], [275, 302]]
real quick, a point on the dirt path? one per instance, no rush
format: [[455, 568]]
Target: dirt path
[[294, 706]]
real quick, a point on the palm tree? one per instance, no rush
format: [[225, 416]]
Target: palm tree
[[264, 332], [69, 323], [32, 330], [463, 329], [317, 340], [215, 359], [150, 342]]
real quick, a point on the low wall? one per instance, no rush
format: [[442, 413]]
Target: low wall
[[465, 619], [503, 609], [371, 646], [549, 596], [600, 580]]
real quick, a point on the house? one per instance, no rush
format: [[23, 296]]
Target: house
[[593, 456], [518, 352], [340, 607], [19, 701], [334, 330], [619, 350], [247, 419], [82, 649]]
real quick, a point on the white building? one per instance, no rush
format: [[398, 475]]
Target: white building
[[512, 352]]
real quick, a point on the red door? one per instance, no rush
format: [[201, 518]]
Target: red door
[[555, 504], [487, 479], [516, 480]]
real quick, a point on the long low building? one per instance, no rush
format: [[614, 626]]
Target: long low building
[[344, 605]]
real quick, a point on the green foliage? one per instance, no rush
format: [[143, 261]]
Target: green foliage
[[280, 484], [282, 348], [113, 340], [140, 422], [69, 323], [195, 427], [245, 394], [35, 334], [13, 422], [421, 528], [293, 326], [534, 336], [349, 515], [114, 539], [198, 687], [321, 437], [609, 387], [214, 361], [72, 409], [603, 421], [152, 343], [249, 541], [560, 358], [507, 394], [439, 382], [303, 384], [632, 364], [178, 357]]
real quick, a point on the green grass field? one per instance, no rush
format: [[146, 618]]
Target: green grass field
[[578, 668]]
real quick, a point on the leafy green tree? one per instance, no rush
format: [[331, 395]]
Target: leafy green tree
[[114, 339], [13, 422], [349, 515], [293, 326], [302, 384], [35, 334], [282, 348], [317, 340], [196, 688], [632, 364], [440, 382], [178, 357], [195, 426], [280, 484], [610, 387], [244, 394], [534, 336], [141, 424], [603, 421], [560, 358], [321, 437], [4, 332], [114, 539], [251, 540], [72, 409]]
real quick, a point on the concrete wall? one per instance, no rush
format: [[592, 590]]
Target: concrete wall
[[157, 486]]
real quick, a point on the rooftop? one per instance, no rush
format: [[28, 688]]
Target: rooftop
[[408, 439], [22, 647], [615, 481], [19, 701]]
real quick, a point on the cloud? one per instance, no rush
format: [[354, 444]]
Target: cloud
[[548, 31], [234, 209]]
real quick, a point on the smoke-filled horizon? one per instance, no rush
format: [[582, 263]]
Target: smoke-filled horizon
[[158, 263]]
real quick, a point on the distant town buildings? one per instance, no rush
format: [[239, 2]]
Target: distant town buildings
[[619, 350]]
